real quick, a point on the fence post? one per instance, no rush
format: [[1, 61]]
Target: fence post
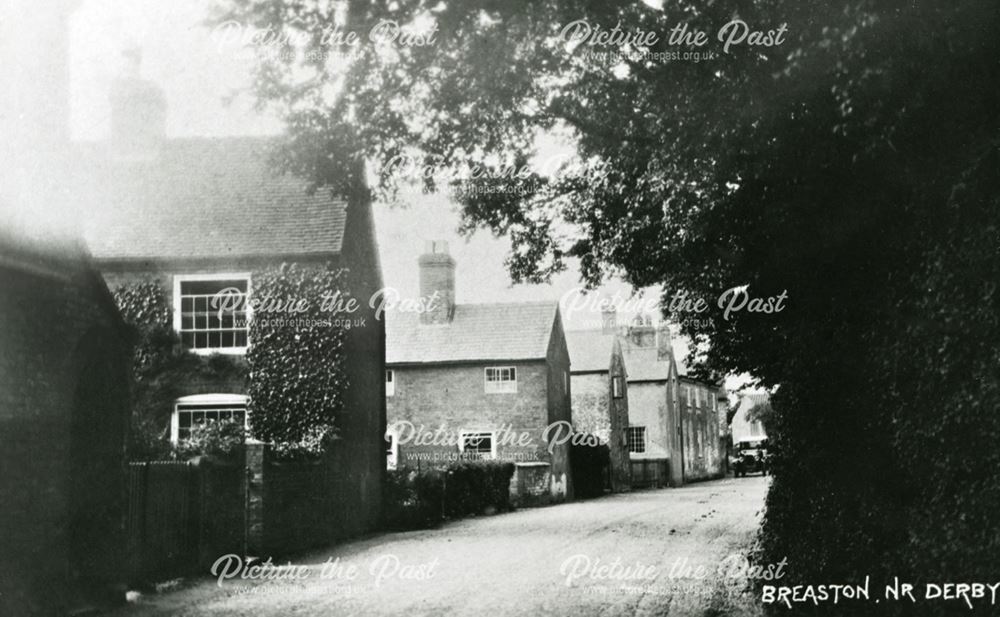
[[255, 462]]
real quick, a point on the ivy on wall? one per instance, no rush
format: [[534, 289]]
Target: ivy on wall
[[162, 368], [296, 359]]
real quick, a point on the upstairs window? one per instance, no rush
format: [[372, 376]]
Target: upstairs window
[[210, 312], [500, 379], [636, 439], [390, 383], [478, 444], [192, 411], [616, 387]]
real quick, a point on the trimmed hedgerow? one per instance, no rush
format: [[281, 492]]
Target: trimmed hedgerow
[[419, 499], [471, 488], [296, 359], [413, 499]]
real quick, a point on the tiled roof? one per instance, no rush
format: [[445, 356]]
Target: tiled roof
[[202, 197], [477, 332], [589, 350]]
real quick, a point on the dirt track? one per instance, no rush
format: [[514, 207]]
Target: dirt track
[[559, 560]]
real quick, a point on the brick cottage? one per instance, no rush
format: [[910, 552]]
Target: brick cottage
[[486, 379], [197, 216]]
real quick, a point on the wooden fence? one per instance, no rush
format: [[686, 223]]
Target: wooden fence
[[182, 516]]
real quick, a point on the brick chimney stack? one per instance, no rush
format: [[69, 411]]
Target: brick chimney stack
[[138, 112], [437, 283]]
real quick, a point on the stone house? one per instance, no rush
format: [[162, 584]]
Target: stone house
[[673, 433], [479, 381], [654, 437], [201, 218], [64, 362], [599, 385]]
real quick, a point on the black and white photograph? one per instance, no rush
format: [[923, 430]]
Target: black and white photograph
[[504, 308]]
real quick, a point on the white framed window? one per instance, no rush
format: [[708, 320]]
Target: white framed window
[[687, 394], [480, 443], [191, 411], [617, 389], [636, 437], [211, 311], [390, 382], [500, 379], [391, 449]]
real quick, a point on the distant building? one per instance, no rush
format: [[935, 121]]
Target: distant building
[[600, 394], [489, 379], [746, 423], [673, 419]]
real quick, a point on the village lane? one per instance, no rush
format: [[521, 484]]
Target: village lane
[[532, 562]]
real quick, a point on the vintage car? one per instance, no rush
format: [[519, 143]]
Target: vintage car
[[749, 456]]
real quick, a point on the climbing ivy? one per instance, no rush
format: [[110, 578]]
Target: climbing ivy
[[296, 361], [162, 368], [296, 358]]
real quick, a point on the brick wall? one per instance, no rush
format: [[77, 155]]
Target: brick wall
[[63, 419]]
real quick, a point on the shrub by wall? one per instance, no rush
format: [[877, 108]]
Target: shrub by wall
[[412, 499], [421, 499], [471, 488]]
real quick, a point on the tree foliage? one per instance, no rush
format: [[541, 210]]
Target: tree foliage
[[853, 166]]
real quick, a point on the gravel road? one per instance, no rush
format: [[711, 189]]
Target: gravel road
[[632, 554]]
